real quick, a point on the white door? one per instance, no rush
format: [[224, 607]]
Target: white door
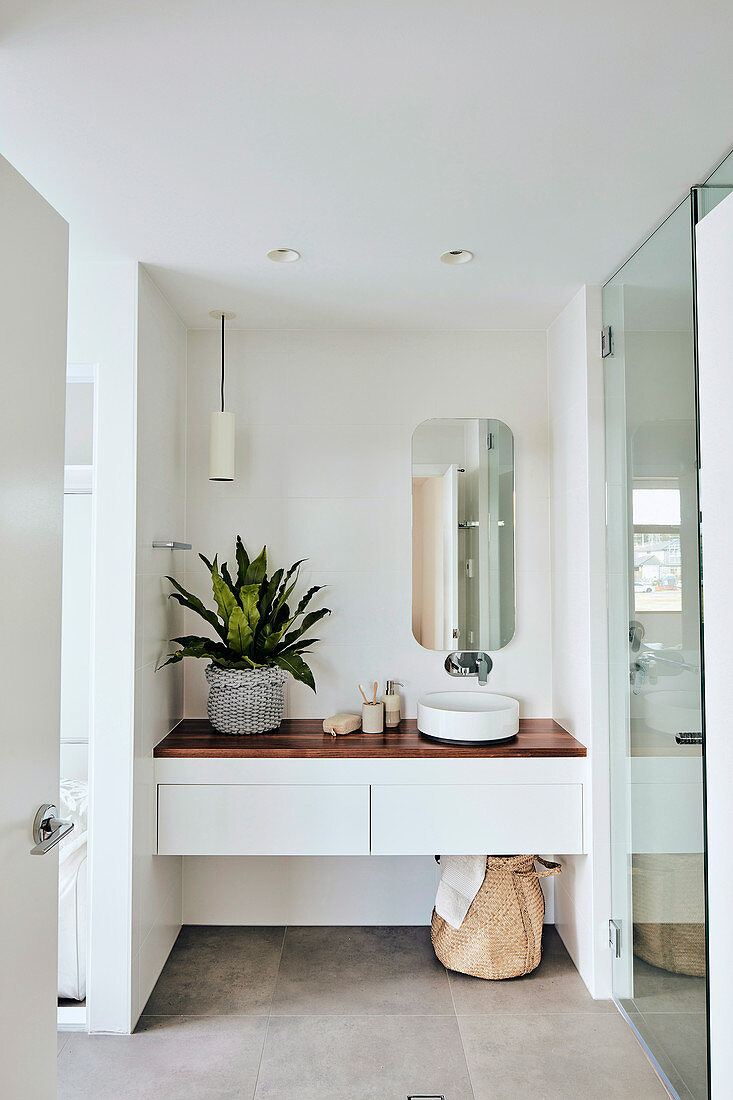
[[33, 288], [449, 496]]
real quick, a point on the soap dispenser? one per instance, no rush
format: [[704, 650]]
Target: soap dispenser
[[392, 703]]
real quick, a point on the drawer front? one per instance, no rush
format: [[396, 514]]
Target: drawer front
[[262, 820], [493, 819]]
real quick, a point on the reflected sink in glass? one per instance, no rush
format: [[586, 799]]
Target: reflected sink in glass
[[673, 711], [468, 717]]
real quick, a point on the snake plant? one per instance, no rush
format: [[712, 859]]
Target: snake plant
[[254, 625]]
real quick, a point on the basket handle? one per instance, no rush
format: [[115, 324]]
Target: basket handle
[[551, 869]]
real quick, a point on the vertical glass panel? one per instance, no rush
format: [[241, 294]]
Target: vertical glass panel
[[658, 863]]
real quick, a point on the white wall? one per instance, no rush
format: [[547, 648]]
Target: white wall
[[102, 331], [579, 646], [76, 600], [324, 425], [161, 515], [76, 617], [119, 321], [715, 333]]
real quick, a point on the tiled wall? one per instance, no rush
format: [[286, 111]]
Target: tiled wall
[[324, 424]]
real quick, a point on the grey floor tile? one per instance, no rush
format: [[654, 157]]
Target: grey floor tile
[[555, 986], [651, 1040], [62, 1038], [360, 971], [362, 1058], [682, 1038], [218, 971], [657, 990], [581, 1056], [176, 1057]]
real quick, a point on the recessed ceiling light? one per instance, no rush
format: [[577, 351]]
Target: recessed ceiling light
[[283, 255], [457, 256]]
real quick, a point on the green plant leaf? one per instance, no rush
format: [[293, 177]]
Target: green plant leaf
[[193, 646], [257, 569], [226, 576], [286, 589], [240, 663], [281, 618], [274, 636], [255, 623], [242, 562], [299, 647], [296, 666], [249, 598], [239, 635], [226, 601], [193, 603], [310, 620], [172, 658], [207, 645], [268, 592], [308, 596]]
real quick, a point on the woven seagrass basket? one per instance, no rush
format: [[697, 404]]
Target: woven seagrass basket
[[501, 936], [246, 701]]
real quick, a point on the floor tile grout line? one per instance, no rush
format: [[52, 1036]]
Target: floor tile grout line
[[277, 972], [498, 1013], [262, 1055], [269, 1014], [460, 1033]]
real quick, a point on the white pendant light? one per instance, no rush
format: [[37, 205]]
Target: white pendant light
[[222, 426]]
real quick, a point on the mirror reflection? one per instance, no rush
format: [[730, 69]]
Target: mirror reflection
[[463, 534]]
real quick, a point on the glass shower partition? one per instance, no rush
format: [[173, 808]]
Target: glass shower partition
[[657, 798]]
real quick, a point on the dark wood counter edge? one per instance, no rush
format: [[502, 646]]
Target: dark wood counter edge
[[303, 738]]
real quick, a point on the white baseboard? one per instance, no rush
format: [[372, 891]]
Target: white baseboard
[[71, 1017]]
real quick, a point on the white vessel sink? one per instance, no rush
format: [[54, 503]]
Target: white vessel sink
[[468, 717], [673, 711]]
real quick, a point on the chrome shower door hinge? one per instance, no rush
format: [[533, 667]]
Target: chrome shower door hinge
[[614, 938], [606, 342]]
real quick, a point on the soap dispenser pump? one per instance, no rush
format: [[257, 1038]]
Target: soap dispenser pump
[[392, 703]]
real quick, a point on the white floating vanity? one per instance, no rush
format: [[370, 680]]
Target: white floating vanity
[[298, 791]]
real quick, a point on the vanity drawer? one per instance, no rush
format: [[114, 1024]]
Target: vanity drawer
[[456, 819], [262, 820]]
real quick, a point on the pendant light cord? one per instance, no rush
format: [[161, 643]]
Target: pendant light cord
[[222, 362]]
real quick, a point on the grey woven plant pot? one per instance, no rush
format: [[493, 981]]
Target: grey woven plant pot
[[247, 701]]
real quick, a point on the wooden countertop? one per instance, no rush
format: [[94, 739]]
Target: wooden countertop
[[303, 738]]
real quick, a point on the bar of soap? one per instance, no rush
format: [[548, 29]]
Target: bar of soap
[[341, 723]]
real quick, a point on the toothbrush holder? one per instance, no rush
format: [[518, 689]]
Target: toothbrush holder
[[372, 717]]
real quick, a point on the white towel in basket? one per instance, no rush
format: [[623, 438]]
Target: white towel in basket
[[460, 880]]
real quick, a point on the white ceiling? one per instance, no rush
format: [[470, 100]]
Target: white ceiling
[[549, 138]]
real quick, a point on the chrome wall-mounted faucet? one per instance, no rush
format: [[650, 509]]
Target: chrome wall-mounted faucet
[[469, 664], [650, 664]]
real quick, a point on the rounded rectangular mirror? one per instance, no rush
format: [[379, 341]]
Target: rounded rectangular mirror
[[463, 534]]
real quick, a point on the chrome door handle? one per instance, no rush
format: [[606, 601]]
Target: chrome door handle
[[48, 830]]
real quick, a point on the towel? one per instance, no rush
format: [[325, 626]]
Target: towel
[[461, 878]]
